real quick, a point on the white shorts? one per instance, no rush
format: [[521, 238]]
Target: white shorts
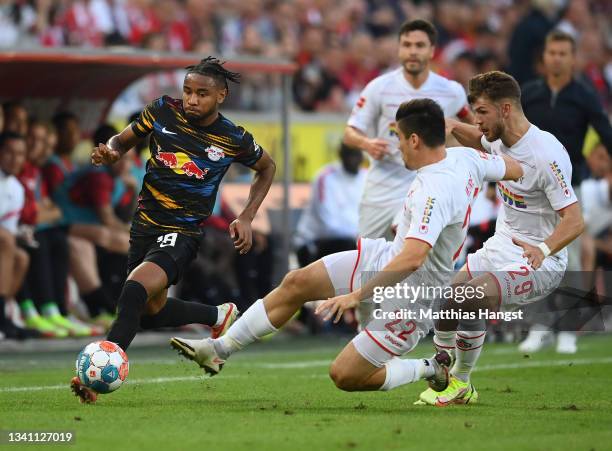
[[375, 220], [518, 283], [385, 338]]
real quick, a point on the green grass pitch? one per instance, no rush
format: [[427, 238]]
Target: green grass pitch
[[276, 395]]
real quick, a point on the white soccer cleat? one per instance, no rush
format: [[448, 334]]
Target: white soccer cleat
[[201, 352], [230, 313], [566, 343], [536, 340]]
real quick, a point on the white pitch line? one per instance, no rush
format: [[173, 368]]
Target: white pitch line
[[314, 364]]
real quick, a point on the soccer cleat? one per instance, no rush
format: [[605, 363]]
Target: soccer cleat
[[439, 381], [457, 392], [45, 327], [85, 395], [73, 329], [566, 343], [104, 320], [201, 352], [14, 332], [536, 340], [230, 314]]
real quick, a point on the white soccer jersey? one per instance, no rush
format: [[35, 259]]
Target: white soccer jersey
[[11, 202], [531, 203], [374, 114]]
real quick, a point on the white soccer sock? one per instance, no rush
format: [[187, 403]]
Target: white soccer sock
[[445, 340], [468, 347], [400, 372], [250, 327]]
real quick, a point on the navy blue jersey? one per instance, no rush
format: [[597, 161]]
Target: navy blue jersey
[[186, 166]]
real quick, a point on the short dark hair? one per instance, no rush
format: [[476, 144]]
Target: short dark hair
[[11, 104], [419, 25], [7, 136], [423, 117], [213, 67], [60, 119], [103, 133], [561, 36], [495, 85]]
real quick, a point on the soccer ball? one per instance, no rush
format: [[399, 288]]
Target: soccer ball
[[102, 366]]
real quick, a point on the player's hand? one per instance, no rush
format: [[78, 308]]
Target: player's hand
[[533, 254], [449, 125], [337, 306], [377, 148], [241, 233], [104, 155]]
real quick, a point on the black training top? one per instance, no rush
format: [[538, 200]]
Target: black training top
[[567, 116]]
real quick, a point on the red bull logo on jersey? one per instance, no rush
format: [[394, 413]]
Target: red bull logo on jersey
[[181, 164], [509, 197], [560, 178]]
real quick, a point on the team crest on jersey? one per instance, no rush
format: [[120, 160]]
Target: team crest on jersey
[[361, 102], [560, 178], [214, 153], [509, 197]]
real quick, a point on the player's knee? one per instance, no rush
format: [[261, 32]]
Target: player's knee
[[343, 378], [295, 281], [7, 240], [22, 259], [155, 304]]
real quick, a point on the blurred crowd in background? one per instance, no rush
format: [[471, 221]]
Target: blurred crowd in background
[[339, 45], [75, 220]]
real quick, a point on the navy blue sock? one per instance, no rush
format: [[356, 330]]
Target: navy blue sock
[[177, 313], [129, 310]]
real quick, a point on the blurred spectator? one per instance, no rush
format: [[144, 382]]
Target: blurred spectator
[[15, 118], [528, 39], [316, 85], [13, 260], [499, 34], [330, 221], [563, 106], [44, 290]]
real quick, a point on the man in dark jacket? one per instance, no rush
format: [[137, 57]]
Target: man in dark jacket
[[565, 107]]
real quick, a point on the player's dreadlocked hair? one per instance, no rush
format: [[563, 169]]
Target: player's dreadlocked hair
[[212, 67]]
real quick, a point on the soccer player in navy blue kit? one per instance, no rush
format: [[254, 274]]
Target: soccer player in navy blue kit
[[192, 146]]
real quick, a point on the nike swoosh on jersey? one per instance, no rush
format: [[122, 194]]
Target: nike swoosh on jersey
[[167, 132]]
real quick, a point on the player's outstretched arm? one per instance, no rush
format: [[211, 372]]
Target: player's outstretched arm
[[468, 135], [514, 171], [405, 263], [115, 148], [568, 229], [240, 228], [376, 147]]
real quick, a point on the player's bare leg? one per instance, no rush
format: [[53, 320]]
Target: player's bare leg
[[265, 316], [144, 303], [470, 337], [350, 371], [445, 330]]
